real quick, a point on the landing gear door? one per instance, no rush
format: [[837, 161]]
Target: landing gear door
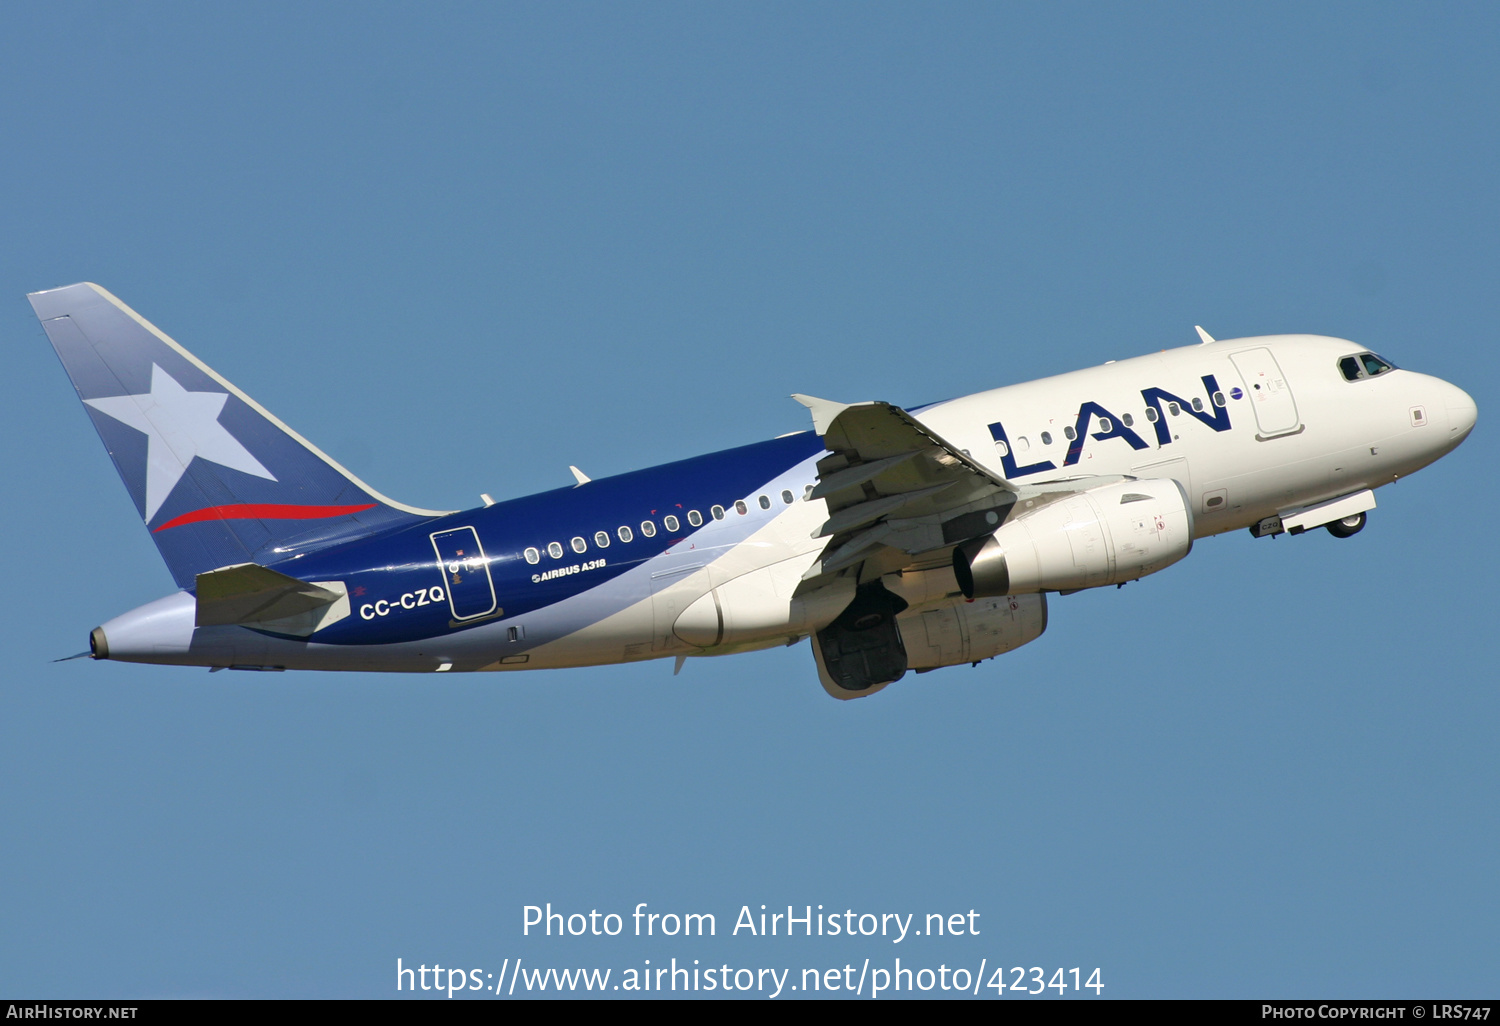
[[1270, 394], [466, 573]]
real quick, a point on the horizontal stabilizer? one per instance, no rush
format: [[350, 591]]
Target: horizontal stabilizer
[[253, 595]]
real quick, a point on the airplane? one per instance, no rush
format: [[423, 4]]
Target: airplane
[[894, 539]]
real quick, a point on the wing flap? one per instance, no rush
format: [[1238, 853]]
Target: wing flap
[[861, 513], [851, 477], [876, 430], [891, 483]]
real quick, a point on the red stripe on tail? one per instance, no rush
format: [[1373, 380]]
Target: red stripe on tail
[[261, 511]]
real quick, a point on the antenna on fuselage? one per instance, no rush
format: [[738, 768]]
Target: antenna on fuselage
[[1205, 336]]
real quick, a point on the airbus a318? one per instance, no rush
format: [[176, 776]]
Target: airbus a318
[[894, 539]]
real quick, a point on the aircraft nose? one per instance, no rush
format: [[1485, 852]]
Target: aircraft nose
[[1461, 413]]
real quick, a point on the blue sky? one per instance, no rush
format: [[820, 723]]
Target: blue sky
[[463, 246]]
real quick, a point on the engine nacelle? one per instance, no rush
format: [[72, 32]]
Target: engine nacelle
[[968, 631], [1106, 535]]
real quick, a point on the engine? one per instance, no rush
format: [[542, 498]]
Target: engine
[[1106, 535], [878, 638], [968, 631]]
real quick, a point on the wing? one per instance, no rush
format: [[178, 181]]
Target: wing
[[900, 497]]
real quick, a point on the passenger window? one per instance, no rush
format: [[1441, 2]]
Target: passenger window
[[807, 492], [1046, 437], [1151, 414], [554, 549], [1105, 425], [648, 529], [787, 496], [1219, 400], [601, 539], [1069, 433], [672, 522], [765, 502], [695, 518], [717, 511], [1002, 448], [1022, 445], [1197, 404], [625, 534], [580, 546], [533, 556], [740, 507], [1173, 409], [1127, 420]]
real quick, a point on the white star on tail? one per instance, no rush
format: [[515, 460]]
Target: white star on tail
[[178, 425]]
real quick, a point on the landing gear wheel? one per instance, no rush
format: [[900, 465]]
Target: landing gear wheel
[[1348, 527]]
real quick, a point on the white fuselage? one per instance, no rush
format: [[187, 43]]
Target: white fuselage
[[1347, 435]]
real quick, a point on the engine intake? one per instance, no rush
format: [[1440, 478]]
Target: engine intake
[[1106, 535]]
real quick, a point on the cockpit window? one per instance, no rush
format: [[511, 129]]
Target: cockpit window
[[1365, 365]]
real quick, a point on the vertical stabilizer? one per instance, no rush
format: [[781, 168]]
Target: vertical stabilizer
[[216, 478]]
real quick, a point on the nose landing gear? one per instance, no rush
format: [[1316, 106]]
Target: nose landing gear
[[1347, 527]]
